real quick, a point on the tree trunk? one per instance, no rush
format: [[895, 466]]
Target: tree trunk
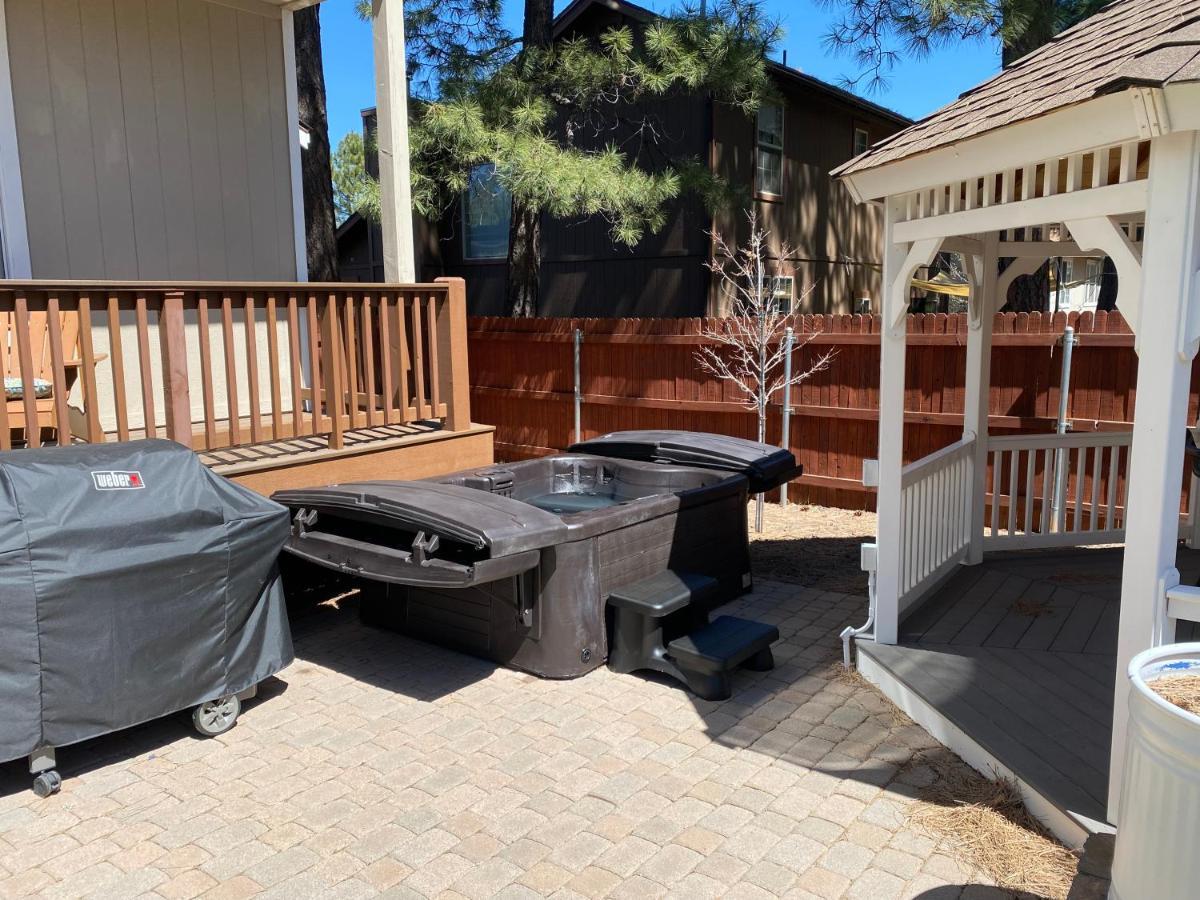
[[525, 230], [315, 169], [1029, 293], [524, 261], [1107, 299]]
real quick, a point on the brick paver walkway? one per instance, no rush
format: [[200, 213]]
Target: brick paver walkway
[[377, 764]]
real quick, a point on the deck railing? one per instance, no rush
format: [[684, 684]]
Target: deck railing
[[215, 365], [935, 515], [1057, 490]]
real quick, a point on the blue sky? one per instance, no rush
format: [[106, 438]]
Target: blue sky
[[916, 88]]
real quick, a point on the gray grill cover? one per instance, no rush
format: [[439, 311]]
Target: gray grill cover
[[134, 583]]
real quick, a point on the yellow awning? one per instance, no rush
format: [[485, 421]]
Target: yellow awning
[[940, 284]]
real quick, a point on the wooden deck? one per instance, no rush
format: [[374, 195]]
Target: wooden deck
[[1020, 654]]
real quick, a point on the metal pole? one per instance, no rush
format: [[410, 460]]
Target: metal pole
[[788, 338], [1061, 426], [578, 389]]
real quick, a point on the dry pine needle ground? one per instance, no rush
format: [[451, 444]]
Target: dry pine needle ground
[[1181, 690]]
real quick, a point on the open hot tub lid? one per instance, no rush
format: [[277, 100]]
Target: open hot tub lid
[[765, 466], [500, 525]]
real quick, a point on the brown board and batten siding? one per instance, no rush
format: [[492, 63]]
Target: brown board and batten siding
[[835, 242], [153, 139]]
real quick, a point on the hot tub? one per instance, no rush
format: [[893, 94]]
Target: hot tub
[[515, 562]]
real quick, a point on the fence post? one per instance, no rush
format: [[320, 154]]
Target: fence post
[[173, 345], [454, 380]]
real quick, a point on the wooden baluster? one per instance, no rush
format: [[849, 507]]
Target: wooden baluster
[[336, 394], [173, 345], [33, 429], [386, 358], [418, 360], [58, 371], [401, 358], [273, 368], [436, 409], [251, 323], [88, 389], [1013, 462], [117, 358], [314, 357], [1047, 489], [206, 372], [231, 389], [368, 339], [294, 368], [149, 415], [352, 360], [5, 428]]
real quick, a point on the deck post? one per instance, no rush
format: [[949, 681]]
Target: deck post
[[391, 120], [980, 319], [1170, 281], [173, 345], [891, 433], [455, 380]]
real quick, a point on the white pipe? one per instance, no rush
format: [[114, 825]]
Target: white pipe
[[789, 338], [578, 388]]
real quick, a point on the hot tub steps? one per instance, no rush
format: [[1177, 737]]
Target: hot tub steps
[[705, 656]]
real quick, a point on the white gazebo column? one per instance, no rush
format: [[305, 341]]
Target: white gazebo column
[[391, 105], [983, 278], [1167, 345]]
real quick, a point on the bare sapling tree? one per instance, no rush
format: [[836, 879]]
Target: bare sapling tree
[[748, 347]]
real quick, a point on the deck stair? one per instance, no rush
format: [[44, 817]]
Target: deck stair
[[705, 654]]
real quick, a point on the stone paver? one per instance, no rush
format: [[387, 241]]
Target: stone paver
[[381, 765]]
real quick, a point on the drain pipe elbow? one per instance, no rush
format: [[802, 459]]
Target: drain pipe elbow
[[869, 555]]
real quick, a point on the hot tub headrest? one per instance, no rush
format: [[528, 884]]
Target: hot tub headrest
[[765, 466]]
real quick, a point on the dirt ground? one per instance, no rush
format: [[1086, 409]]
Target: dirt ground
[[814, 546]]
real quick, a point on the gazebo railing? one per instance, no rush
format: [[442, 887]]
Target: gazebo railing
[[1052, 490], [935, 516]]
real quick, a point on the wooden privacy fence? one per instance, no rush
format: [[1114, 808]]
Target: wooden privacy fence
[[226, 365], [641, 373]]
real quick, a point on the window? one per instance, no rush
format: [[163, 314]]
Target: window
[[768, 174], [486, 211], [783, 292], [862, 141]]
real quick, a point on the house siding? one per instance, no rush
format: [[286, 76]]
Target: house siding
[[153, 139]]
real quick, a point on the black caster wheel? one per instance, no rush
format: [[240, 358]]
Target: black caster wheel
[[47, 783], [217, 716]]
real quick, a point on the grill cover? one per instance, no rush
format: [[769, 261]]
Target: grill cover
[[134, 583], [764, 465]]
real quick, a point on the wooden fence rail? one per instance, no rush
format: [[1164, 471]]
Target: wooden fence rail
[[226, 365], [641, 373]]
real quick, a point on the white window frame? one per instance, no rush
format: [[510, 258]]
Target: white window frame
[[783, 288], [760, 146], [463, 211], [866, 134]]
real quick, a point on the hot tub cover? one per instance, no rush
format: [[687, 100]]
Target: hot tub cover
[[134, 583]]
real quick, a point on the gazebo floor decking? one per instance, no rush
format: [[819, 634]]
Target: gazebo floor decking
[[1019, 653]]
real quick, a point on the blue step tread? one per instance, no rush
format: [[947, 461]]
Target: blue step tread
[[664, 593], [723, 644]]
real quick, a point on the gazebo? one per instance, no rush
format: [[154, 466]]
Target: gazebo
[[1088, 146]]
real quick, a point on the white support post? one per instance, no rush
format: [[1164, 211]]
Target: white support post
[[900, 260], [891, 435], [984, 278], [391, 103], [295, 173], [1171, 256]]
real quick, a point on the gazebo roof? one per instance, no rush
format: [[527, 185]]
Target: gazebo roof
[[1128, 43]]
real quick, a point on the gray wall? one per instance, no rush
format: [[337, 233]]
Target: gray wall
[[153, 139]]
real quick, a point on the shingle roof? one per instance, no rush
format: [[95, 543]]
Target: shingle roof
[[1128, 43]]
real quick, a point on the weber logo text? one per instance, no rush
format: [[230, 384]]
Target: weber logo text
[[118, 481]]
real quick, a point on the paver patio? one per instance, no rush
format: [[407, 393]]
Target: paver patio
[[378, 764]]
